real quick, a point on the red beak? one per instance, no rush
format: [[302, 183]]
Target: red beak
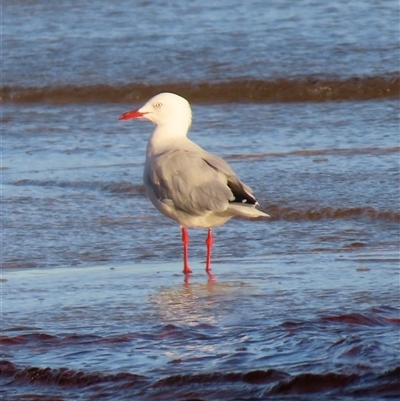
[[129, 115]]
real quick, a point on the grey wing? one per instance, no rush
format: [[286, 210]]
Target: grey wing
[[190, 182], [242, 193]]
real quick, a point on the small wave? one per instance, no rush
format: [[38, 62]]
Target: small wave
[[313, 383], [293, 214], [375, 151], [345, 384], [350, 318], [63, 376], [307, 89], [355, 319], [123, 187], [253, 377], [230, 384], [50, 340], [19, 264]]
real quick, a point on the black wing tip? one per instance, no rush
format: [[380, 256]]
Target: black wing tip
[[244, 198]]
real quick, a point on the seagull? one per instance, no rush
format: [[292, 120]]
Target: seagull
[[184, 182]]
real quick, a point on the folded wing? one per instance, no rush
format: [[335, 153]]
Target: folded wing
[[196, 182]]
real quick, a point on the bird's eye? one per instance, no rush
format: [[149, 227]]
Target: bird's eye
[[158, 105]]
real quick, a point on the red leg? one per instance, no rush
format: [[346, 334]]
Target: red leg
[[185, 240], [209, 242]]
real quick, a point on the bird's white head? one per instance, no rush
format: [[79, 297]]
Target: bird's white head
[[164, 109]]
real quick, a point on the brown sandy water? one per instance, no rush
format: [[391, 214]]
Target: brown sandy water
[[236, 90]]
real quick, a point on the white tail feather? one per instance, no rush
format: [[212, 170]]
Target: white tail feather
[[238, 209]]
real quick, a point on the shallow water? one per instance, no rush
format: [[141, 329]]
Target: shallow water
[[53, 43], [73, 194], [305, 326], [226, 52], [302, 100], [305, 304]]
